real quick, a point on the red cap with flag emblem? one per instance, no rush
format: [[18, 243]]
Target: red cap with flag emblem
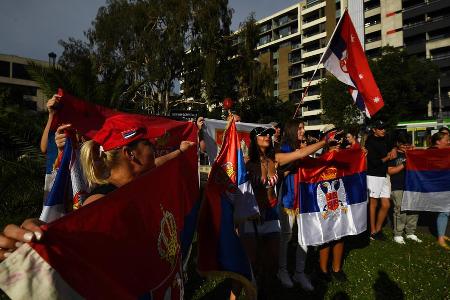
[[121, 130]]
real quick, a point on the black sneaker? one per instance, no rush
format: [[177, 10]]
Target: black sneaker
[[379, 236], [323, 277], [339, 276]]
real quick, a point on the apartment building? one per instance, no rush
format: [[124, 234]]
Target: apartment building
[[426, 33], [13, 73], [383, 25], [292, 41]]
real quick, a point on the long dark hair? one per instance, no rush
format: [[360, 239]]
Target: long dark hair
[[437, 137], [290, 136], [253, 151]]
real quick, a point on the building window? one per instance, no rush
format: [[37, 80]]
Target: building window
[[19, 71], [284, 32], [264, 40], [283, 20], [285, 44], [4, 68]]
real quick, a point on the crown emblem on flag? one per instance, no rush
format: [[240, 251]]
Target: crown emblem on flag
[[168, 246], [329, 174], [229, 169]]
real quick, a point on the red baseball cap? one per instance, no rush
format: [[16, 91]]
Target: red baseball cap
[[121, 130]]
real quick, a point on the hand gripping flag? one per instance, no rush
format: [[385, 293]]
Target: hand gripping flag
[[427, 180], [345, 59], [228, 198], [333, 196]]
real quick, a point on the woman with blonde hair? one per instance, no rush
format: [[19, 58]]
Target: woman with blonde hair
[[120, 151]]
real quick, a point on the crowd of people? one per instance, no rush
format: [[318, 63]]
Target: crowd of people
[[112, 159]]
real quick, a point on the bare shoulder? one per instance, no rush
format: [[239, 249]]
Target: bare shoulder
[[93, 198]]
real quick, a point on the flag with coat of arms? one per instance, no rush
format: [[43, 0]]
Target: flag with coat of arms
[[111, 248], [345, 59], [332, 194], [229, 199]]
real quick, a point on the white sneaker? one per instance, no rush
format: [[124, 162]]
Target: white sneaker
[[399, 239], [285, 279], [303, 280], [414, 238]]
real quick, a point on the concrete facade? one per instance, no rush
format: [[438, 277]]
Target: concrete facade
[[13, 73]]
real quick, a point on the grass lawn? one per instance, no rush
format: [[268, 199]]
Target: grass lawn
[[375, 269]]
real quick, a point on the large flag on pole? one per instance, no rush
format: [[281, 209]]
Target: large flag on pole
[[228, 198], [333, 196], [345, 59], [427, 180]]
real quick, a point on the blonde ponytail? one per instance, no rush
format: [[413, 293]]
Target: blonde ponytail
[[97, 164]]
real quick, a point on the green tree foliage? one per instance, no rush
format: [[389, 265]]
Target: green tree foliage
[[20, 158], [208, 75], [407, 84], [337, 104]]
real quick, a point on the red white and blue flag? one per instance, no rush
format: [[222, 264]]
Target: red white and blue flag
[[345, 59], [332, 193], [228, 200], [69, 188], [213, 132], [127, 245], [427, 180]]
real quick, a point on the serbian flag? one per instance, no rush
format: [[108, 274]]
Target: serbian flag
[[345, 59], [333, 196], [427, 180], [213, 135], [69, 188], [111, 248], [126, 245], [51, 155], [228, 199]]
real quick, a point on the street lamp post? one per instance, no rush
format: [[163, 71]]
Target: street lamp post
[[440, 118], [51, 59]]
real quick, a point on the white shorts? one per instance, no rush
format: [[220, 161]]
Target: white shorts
[[379, 187]]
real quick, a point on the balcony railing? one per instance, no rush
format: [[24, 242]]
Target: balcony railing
[[420, 5], [285, 21], [374, 39], [440, 56], [430, 20], [296, 86], [294, 72], [294, 59], [313, 3], [367, 8], [296, 46]]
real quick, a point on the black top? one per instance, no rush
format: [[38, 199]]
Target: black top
[[103, 189], [398, 180], [376, 150]]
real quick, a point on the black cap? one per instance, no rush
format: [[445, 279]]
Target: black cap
[[378, 124], [261, 131]]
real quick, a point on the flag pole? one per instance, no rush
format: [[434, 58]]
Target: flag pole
[[320, 61]]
